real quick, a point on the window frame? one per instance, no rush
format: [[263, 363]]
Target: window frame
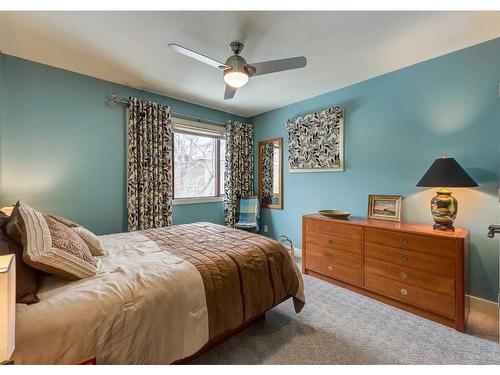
[[182, 126]]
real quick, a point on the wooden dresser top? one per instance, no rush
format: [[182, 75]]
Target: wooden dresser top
[[393, 225]]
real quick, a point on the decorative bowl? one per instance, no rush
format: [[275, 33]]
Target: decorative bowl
[[336, 214]]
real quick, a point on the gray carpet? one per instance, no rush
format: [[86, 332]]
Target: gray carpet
[[341, 327]]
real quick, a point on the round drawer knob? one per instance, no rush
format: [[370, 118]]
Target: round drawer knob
[[330, 242], [404, 258], [330, 254], [404, 242], [404, 292], [330, 268], [403, 275]]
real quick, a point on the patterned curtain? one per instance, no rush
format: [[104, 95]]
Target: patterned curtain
[[149, 172], [238, 178], [267, 173]]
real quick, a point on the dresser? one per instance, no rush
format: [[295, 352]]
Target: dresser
[[409, 266]]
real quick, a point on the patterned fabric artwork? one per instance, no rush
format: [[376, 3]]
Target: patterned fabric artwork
[[316, 141], [149, 170], [267, 173], [238, 177]]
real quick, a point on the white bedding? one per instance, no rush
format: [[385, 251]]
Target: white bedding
[[141, 295]]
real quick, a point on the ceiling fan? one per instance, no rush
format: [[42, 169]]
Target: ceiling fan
[[236, 70]]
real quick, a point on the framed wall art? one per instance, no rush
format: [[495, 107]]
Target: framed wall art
[[316, 142], [384, 207]]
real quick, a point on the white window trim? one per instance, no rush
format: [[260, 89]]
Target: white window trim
[[199, 200], [197, 128]]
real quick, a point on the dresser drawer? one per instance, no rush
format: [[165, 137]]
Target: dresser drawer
[[406, 275], [330, 227], [330, 241], [411, 295], [335, 270], [433, 245], [411, 259], [316, 254]]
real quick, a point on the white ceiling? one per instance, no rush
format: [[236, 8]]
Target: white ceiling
[[341, 47]]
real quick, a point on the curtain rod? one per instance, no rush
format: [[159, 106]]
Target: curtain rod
[[116, 100]]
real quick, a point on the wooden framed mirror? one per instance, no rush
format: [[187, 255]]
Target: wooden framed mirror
[[271, 173]]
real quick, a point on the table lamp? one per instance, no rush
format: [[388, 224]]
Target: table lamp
[[445, 172], [7, 306]]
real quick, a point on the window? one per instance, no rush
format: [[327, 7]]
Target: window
[[198, 156]]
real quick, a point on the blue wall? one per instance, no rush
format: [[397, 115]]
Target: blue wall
[[63, 147], [395, 126]]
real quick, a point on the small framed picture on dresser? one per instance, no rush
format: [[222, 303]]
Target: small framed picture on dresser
[[384, 207]]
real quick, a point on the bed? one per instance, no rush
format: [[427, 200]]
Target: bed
[[160, 296]]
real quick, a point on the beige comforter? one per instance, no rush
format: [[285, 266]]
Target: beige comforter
[[146, 305]]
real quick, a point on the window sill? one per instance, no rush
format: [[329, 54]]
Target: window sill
[[181, 201]]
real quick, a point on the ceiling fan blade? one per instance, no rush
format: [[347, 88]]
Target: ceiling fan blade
[[198, 56], [229, 92], [274, 66]]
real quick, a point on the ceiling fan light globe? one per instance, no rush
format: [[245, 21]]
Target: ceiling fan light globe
[[236, 79]]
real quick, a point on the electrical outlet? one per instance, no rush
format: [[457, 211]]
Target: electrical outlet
[[266, 229]]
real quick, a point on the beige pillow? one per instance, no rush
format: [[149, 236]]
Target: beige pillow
[[52, 247], [93, 242]]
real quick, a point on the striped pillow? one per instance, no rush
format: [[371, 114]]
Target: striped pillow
[[50, 246]]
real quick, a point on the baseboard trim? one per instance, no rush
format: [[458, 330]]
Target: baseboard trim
[[482, 305]]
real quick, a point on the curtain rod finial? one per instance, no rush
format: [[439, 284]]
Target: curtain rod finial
[[114, 99]]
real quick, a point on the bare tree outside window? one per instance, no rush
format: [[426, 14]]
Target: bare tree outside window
[[195, 163]]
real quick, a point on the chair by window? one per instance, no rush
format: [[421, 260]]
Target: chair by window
[[249, 214]]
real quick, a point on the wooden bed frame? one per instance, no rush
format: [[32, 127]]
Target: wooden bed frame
[[212, 343], [219, 339]]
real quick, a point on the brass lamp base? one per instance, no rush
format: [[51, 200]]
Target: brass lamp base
[[444, 209]]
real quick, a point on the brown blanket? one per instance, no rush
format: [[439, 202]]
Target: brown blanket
[[244, 274]]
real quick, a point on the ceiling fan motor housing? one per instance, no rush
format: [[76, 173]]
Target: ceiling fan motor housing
[[238, 64]]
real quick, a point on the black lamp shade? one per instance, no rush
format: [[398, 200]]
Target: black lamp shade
[[446, 172]]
